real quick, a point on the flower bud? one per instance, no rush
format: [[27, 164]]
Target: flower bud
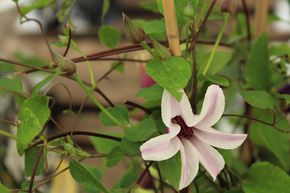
[[189, 11], [229, 6], [135, 33], [160, 51], [66, 65]]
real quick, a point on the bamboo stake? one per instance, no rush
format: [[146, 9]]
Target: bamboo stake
[[171, 26], [261, 17]]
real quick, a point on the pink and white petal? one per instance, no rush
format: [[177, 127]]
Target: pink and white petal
[[170, 108], [212, 108], [173, 130], [190, 163], [219, 139], [209, 157], [160, 148]]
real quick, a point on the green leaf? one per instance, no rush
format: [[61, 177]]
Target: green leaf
[[219, 61], [109, 36], [3, 189], [119, 112], [130, 176], [268, 137], [280, 50], [104, 146], [37, 4], [114, 157], [39, 107], [11, 84], [259, 99], [28, 129], [129, 147], [6, 67], [218, 80], [119, 190], [30, 156], [105, 8], [70, 149], [32, 116], [31, 60], [257, 70], [118, 66], [83, 175], [266, 178], [286, 98], [172, 74], [180, 6], [42, 84], [173, 174], [151, 93], [153, 28], [91, 188], [141, 131], [150, 6], [65, 9]]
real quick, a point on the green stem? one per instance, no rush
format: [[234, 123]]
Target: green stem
[[92, 77], [146, 47], [226, 19], [9, 135], [97, 103]]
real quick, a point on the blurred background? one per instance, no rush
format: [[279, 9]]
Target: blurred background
[[25, 43]]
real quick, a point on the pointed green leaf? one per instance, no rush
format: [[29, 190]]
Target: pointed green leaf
[[30, 156], [171, 170], [257, 69], [129, 147], [105, 8], [33, 115], [218, 80], [268, 137], [114, 157], [42, 83], [11, 84], [3, 189], [141, 131], [37, 4], [172, 74], [259, 99], [151, 93], [104, 146], [109, 36], [119, 112], [264, 177], [83, 175], [130, 176]]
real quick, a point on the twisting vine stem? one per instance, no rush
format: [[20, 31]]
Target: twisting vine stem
[[35, 168]]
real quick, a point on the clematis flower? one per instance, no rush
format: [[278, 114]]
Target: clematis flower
[[192, 135]]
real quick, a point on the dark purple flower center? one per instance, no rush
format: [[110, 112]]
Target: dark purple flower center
[[185, 131]]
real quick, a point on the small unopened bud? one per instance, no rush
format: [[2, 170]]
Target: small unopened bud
[[160, 51], [135, 33], [229, 6], [189, 11], [66, 65]]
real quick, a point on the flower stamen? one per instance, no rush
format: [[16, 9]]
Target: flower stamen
[[185, 131]]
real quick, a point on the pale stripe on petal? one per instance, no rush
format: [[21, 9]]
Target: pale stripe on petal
[[209, 157], [160, 148], [219, 139], [189, 157], [170, 108], [212, 108]]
